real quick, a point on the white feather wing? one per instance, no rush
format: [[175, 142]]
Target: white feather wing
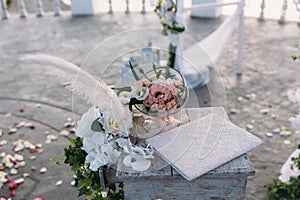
[[85, 85]]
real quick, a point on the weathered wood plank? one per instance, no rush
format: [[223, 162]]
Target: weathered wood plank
[[199, 189]]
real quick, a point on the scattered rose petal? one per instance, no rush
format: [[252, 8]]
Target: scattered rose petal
[[59, 183], [287, 142], [1, 132], [273, 116], [64, 133], [13, 186], [69, 124], [25, 175], [283, 128], [38, 105], [264, 111], [21, 110], [32, 157], [43, 170], [2, 167], [18, 157], [13, 171], [9, 178], [72, 130], [269, 134], [249, 126], [51, 137], [38, 198], [233, 111], [12, 130], [240, 99], [276, 130], [20, 164], [19, 181], [48, 141], [3, 142], [73, 183], [12, 193], [285, 133], [32, 150], [33, 168], [7, 115]]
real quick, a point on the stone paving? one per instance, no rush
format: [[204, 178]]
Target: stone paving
[[28, 94]]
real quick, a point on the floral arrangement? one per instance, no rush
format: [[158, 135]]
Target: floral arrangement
[[102, 142], [160, 92], [166, 10], [288, 184]]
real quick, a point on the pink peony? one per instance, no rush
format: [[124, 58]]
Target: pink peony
[[163, 95]]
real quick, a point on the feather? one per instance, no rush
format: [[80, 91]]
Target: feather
[[88, 87]]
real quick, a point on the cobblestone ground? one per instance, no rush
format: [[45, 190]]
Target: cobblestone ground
[[28, 94]]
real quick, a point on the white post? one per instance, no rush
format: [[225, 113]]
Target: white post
[[56, 8], [283, 12], [179, 16], [143, 7], [127, 7], [110, 11], [5, 14], [240, 44], [39, 8], [22, 9], [297, 4], [262, 14]]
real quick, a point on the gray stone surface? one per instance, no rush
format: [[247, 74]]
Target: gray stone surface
[[268, 72]]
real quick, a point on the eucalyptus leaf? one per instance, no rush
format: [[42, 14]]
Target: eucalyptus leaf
[[133, 72], [96, 126]]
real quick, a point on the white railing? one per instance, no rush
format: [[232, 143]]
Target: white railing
[[128, 4], [295, 4], [57, 9]]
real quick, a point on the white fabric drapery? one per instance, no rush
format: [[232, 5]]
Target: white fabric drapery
[[195, 61]]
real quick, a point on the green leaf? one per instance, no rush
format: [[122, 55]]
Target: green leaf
[[133, 72], [72, 141], [96, 126], [158, 73], [294, 57]]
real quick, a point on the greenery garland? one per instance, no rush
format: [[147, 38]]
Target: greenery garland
[[279, 190], [88, 181]]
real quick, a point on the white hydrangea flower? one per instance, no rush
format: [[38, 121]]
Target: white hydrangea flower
[[84, 124]]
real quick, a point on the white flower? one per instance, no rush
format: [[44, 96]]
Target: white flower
[[124, 97], [102, 155], [84, 124], [295, 122], [140, 93], [294, 95]]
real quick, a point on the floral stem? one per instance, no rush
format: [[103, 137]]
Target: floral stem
[[172, 54]]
